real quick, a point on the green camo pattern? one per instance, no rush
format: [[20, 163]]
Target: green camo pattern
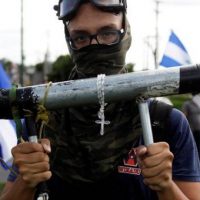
[[82, 154]]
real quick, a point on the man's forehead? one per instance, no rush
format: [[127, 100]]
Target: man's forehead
[[89, 17], [101, 28], [94, 26]]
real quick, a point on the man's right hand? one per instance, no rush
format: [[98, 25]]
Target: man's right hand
[[32, 161]]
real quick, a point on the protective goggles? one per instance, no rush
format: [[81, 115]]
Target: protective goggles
[[67, 8]]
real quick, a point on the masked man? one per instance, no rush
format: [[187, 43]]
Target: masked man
[[114, 165]]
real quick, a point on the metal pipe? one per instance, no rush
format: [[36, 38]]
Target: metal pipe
[[145, 122], [152, 83]]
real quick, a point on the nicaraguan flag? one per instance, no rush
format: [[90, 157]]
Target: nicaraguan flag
[[175, 53], [8, 137]]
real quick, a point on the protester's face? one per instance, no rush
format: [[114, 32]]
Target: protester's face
[[91, 20]]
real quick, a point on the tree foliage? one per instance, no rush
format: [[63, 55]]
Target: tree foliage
[[6, 65], [61, 68], [130, 67], [39, 67]]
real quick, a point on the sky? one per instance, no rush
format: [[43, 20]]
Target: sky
[[42, 30]]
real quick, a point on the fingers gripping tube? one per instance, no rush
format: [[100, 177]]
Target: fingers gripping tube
[[42, 191]]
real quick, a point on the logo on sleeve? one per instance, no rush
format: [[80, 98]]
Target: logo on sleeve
[[130, 164]]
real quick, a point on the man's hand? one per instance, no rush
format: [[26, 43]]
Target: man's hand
[[156, 164], [32, 161]]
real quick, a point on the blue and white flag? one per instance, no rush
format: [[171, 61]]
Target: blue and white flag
[[175, 53], [8, 137]]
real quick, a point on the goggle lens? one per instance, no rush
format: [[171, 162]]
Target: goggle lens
[[108, 2], [67, 7]]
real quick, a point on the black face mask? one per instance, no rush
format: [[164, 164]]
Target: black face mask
[[101, 59]]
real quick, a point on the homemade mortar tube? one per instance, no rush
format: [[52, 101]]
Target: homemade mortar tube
[[151, 83]]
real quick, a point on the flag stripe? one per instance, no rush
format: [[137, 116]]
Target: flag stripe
[[8, 137], [176, 53], [174, 39], [4, 79], [168, 62]]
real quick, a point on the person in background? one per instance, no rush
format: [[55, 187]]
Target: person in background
[[79, 162], [191, 109]]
